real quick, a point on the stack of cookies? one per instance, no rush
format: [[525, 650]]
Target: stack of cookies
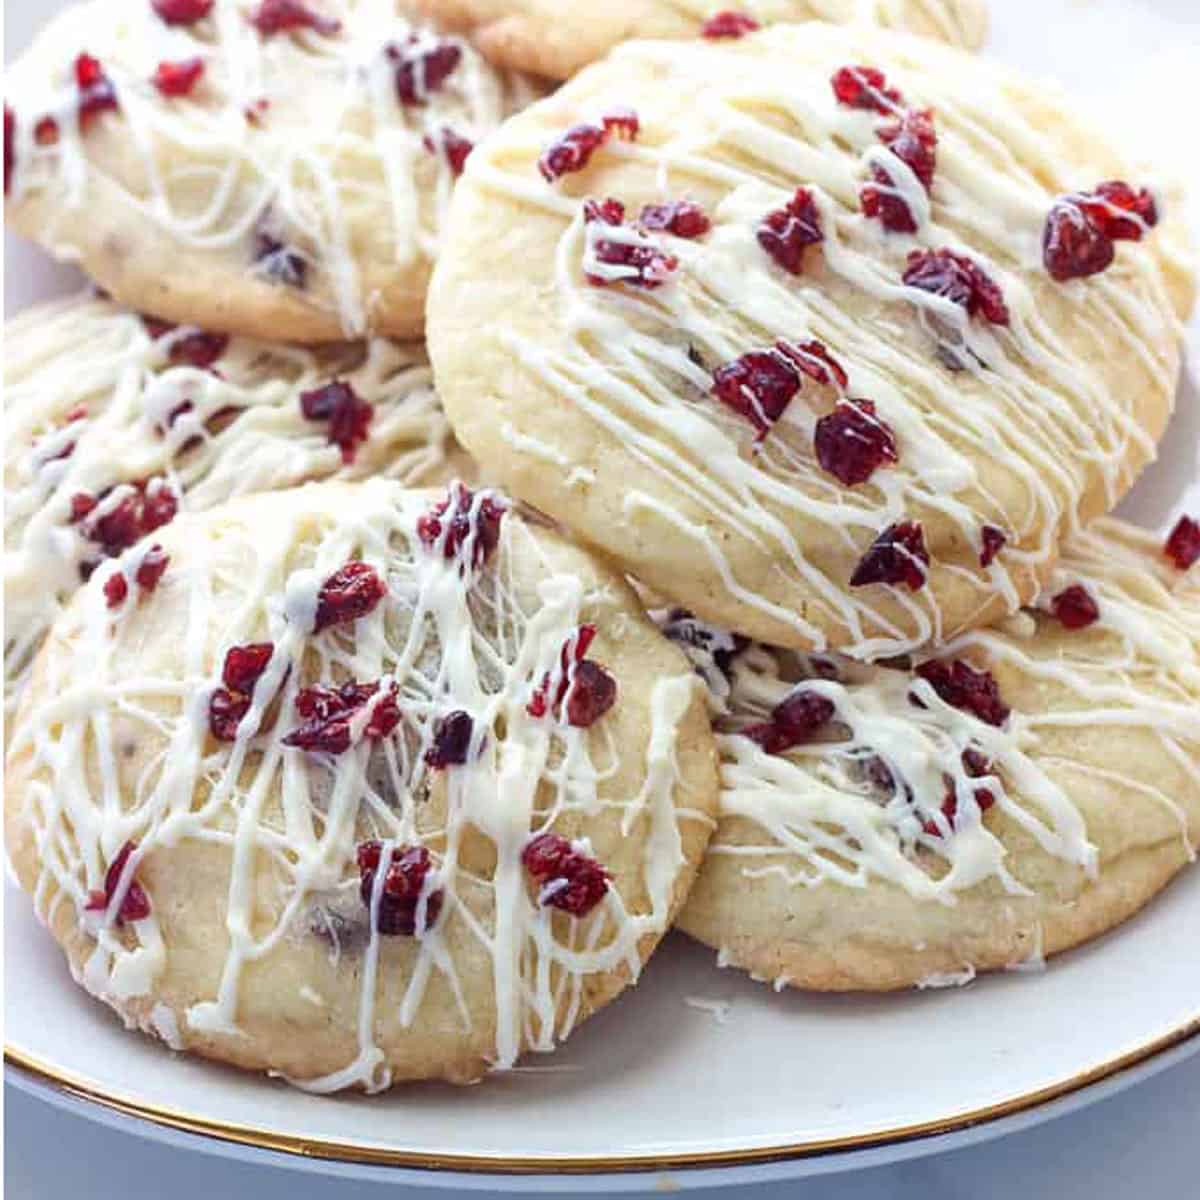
[[733, 555]]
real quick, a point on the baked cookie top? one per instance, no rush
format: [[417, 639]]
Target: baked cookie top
[[278, 169], [115, 422], [913, 823], [359, 784], [828, 334], [553, 39]]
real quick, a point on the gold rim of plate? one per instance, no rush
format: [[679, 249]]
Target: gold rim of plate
[[379, 1156]]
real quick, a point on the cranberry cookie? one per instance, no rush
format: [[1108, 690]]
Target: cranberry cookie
[[358, 784], [829, 334], [274, 168], [550, 38], [912, 823], [115, 422]]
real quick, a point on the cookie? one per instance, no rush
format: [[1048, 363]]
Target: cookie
[[678, 311], [273, 169], [1028, 789], [359, 784], [115, 422], [539, 36]]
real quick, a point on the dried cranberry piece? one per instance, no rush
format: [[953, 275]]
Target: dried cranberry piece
[[403, 884], [728, 24], [96, 92], [1075, 607], [225, 712], [423, 70], [150, 570], [329, 711], [199, 349], [865, 87], [592, 693], [1081, 228], [116, 588], [182, 12], [961, 686], [959, 279], [880, 199], [913, 140], [10, 149], [1073, 246], [178, 78], [147, 507], [761, 384], [134, 904], [159, 506], [1183, 545], [648, 265], [815, 361], [683, 218], [279, 16], [897, 556], [81, 505], [196, 348], [1106, 207], [350, 592], [607, 211], [574, 149], [551, 691], [461, 518], [785, 232], [793, 721], [622, 123], [976, 765], [568, 879], [852, 442], [993, 541], [453, 147], [451, 740], [120, 527], [571, 152], [581, 691], [349, 416], [244, 665], [45, 132]]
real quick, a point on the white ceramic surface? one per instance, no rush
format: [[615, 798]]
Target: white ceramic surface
[[654, 1076]]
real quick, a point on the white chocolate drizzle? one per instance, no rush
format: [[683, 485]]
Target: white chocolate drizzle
[[86, 374], [822, 822], [449, 639], [299, 129], [1025, 411]]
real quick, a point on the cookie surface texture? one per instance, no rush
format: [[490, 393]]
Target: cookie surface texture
[[1028, 789], [679, 312], [278, 176]]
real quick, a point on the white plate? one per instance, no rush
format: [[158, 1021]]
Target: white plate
[[798, 1082]]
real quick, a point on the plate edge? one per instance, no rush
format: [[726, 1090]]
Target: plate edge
[[318, 1148]]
